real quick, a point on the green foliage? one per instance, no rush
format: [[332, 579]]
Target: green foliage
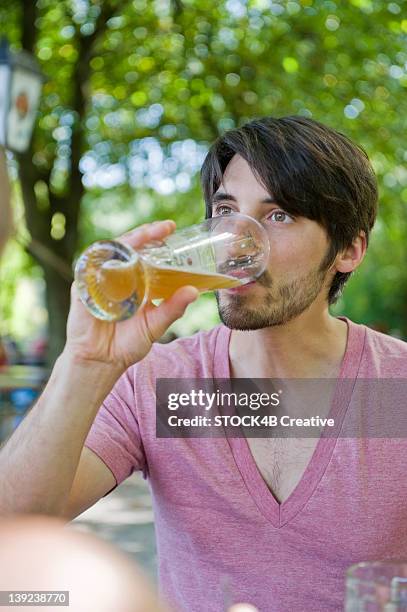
[[161, 74]]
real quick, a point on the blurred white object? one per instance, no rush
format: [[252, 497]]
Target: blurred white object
[[20, 88], [39, 553]]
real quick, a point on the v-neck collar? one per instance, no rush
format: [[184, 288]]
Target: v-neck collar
[[279, 514]]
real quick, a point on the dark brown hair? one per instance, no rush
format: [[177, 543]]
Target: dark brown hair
[[310, 170]]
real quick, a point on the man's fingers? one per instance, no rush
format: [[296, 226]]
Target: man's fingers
[[157, 320], [76, 304], [74, 293], [147, 232]]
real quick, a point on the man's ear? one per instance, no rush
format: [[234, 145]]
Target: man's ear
[[349, 259]]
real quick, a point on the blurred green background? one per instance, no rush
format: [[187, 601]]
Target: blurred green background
[[137, 90]]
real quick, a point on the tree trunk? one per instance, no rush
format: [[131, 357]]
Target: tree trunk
[[56, 256], [57, 301], [51, 256]]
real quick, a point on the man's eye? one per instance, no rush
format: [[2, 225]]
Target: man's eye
[[223, 210], [280, 217]]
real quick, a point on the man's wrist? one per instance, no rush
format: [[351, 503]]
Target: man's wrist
[[97, 375]]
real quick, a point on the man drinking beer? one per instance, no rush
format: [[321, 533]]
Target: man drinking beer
[[271, 522]]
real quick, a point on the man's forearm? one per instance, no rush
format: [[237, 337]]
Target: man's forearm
[[38, 463]]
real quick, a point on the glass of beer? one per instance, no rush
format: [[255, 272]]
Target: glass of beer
[[114, 280]]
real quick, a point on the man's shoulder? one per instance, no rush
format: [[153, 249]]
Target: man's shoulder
[[385, 344], [386, 354]]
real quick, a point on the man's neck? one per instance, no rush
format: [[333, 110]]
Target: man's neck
[[310, 346]]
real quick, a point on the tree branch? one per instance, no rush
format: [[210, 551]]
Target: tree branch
[[177, 8], [44, 255], [108, 11], [29, 175], [29, 31], [81, 79]]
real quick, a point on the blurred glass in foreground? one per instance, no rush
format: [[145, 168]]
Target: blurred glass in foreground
[[377, 586]]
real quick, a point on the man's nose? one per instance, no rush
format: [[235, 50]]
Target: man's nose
[[254, 212]]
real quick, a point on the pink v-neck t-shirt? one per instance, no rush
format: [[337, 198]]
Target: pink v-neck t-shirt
[[221, 535]]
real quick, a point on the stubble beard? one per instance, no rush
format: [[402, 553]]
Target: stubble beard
[[277, 307]]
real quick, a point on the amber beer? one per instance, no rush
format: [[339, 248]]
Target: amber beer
[[117, 280], [163, 282]]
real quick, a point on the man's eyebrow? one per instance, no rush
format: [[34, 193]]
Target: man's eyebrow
[[221, 196]]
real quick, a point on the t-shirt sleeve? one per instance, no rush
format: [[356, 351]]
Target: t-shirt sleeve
[[115, 435]]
